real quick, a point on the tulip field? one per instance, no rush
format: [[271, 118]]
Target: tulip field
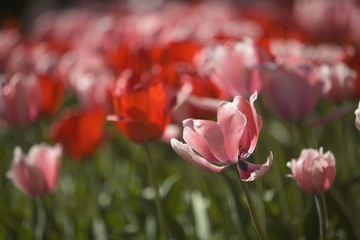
[[209, 120]]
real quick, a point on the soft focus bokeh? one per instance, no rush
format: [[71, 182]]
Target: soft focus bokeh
[[92, 92]]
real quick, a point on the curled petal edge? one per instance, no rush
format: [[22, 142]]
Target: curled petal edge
[[185, 151], [260, 171]]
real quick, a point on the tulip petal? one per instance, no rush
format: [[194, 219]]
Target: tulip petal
[[302, 175], [214, 138], [357, 117], [185, 151], [314, 171], [171, 131], [297, 174], [204, 103], [232, 123], [25, 175], [196, 141], [250, 172], [253, 124], [47, 160], [323, 172]]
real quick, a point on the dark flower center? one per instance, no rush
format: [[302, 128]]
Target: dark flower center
[[243, 165]]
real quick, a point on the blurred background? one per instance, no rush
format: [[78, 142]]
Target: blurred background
[[301, 56]]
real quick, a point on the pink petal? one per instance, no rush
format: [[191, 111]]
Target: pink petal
[[171, 131], [196, 141], [314, 171], [253, 124], [232, 123], [185, 151], [210, 104], [302, 176], [357, 117], [25, 176], [323, 172], [250, 172], [214, 138], [47, 160], [183, 94]]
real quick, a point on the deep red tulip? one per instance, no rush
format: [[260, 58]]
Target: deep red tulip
[[142, 107], [52, 92]]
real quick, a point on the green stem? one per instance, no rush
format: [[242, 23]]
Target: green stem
[[159, 210], [321, 209], [38, 219], [50, 226], [253, 214]]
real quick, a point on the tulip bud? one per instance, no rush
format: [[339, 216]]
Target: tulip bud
[[314, 171], [37, 172]]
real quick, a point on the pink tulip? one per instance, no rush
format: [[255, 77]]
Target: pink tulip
[[230, 140], [232, 67], [20, 99], [325, 18], [339, 81], [293, 52], [9, 38], [37, 172], [357, 117], [314, 171], [291, 92]]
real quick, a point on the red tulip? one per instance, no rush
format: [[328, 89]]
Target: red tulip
[[142, 107], [52, 95], [80, 132]]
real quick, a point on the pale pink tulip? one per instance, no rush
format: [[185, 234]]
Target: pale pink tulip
[[20, 99], [291, 92], [37, 172], [230, 140], [339, 81], [357, 117], [325, 18], [93, 90], [293, 52], [232, 67], [314, 171], [9, 38]]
